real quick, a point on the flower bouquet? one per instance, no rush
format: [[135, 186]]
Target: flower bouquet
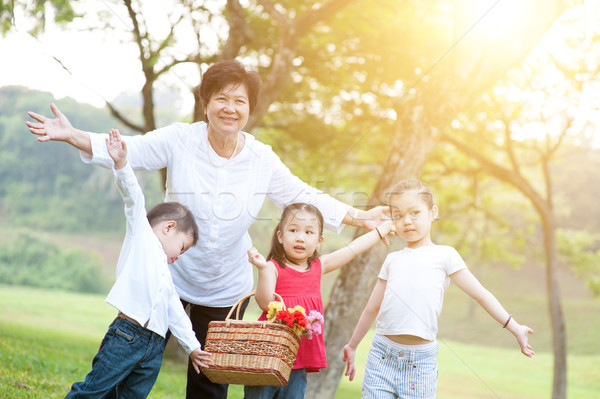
[[296, 318]]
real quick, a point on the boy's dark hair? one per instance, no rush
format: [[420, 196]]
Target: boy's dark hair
[[222, 73], [176, 212], [277, 253]]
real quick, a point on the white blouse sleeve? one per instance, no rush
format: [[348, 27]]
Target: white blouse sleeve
[[285, 189], [149, 151]]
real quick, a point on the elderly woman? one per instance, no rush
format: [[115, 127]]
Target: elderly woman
[[222, 175]]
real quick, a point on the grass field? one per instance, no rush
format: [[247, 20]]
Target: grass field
[[48, 339]]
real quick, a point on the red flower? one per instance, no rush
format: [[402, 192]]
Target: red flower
[[285, 317], [300, 319]]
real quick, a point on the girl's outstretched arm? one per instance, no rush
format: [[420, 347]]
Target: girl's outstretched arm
[[467, 282], [362, 328], [339, 258], [267, 279]]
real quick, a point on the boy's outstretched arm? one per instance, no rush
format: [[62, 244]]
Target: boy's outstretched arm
[[200, 359], [342, 256], [362, 328], [467, 282]]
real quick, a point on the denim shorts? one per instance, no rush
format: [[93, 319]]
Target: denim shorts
[[400, 371], [129, 360]]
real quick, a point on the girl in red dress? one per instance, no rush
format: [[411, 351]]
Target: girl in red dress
[[293, 269]]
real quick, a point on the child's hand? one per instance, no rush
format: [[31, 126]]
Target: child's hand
[[384, 229], [256, 258], [200, 359], [349, 359], [521, 333], [387, 228], [116, 149]]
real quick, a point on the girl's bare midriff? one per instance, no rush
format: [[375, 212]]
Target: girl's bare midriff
[[408, 339]]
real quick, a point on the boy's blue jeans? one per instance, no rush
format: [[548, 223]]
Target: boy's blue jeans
[[129, 359], [295, 389]]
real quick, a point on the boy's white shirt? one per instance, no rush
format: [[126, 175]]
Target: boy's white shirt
[[416, 280], [144, 289]]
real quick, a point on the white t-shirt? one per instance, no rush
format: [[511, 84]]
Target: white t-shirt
[[225, 201], [416, 280]]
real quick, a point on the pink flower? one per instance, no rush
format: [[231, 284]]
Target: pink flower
[[297, 319]]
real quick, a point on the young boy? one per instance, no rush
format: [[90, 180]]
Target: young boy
[[131, 353]]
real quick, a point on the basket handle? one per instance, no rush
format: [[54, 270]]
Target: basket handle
[[238, 304]]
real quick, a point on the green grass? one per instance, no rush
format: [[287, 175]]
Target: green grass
[[48, 339]]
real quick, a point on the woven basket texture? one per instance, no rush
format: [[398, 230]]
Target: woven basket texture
[[250, 352]]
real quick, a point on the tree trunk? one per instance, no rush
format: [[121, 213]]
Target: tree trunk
[[559, 336], [353, 287]]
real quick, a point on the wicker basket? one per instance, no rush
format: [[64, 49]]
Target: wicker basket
[[250, 352]]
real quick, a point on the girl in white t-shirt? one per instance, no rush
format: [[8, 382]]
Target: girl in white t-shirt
[[407, 301]]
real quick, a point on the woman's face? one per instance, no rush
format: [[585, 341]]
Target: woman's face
[[228, 109]]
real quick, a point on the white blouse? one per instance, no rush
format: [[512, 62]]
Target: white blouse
[[225, 201]]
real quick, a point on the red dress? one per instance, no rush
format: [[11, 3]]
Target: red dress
[[304, 289]]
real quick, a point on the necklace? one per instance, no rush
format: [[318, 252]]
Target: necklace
[[219, 165]]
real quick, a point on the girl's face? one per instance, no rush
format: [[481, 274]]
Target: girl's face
[[412, 218], [228, 109], [300, 236]]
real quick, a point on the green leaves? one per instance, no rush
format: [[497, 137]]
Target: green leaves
[[28, 259], [35, 13]]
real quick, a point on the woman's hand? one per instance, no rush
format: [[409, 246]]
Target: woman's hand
[[369, 219], [257, 259], [57, 129]]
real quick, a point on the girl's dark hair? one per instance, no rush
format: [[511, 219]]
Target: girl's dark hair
[[423, 191], [277, 253], [176, 212], [222, 73]]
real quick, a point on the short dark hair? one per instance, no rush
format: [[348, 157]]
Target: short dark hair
[[277, 252], [222, 73], [176, 212]]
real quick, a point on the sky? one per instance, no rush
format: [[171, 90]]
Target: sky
[[101, 66], [29, 62]]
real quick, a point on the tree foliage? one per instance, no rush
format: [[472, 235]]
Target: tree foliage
[[36, 11], [28, 259]]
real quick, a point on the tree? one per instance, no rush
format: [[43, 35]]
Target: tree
[[551, 110], [36, 11], [474, 64]]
